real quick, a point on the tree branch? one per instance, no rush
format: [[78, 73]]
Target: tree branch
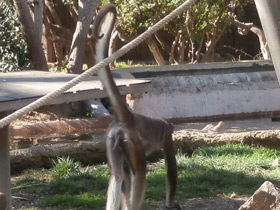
[[245, 28]]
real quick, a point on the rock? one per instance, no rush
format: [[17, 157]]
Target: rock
[[2, 201], [267, 197], [212, 128]]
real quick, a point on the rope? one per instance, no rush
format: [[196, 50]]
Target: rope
[[50, 96]]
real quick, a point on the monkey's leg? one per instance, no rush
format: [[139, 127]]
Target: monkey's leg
[[135, 155], [171, 176], [115, 159], [126, 186]]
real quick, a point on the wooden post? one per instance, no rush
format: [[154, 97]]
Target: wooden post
[[5, 174], [269, 12]]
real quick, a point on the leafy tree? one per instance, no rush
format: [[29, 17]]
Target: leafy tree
[[67, 25], [195, 33], [13, 48]]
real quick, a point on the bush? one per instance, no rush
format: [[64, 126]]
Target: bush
[[13, 48]]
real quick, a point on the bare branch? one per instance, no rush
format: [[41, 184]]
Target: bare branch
[[245, 28]]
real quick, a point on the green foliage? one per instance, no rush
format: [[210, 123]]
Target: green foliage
[[13, 48], [134, 16], [198, 27], [63, 167], [122, 64], [69, 2]]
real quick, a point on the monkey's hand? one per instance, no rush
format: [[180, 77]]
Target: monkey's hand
[[175, 207]]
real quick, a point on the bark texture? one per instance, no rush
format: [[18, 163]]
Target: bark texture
[[32, 27], [77, 51]]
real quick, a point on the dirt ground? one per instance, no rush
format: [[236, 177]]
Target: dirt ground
[[234, 126], [213, 203]]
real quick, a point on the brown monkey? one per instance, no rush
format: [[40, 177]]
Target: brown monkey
[[131, 136]]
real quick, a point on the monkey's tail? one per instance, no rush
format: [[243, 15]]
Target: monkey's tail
[[102, 29]]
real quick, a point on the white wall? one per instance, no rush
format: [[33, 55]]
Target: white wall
[[209, 95]]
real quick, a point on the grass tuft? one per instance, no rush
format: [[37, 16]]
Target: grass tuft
[[63, 167]]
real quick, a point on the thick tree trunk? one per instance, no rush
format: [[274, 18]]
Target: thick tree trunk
[[86, 12], [32, 31], [38, 18]]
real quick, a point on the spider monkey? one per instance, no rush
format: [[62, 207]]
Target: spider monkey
[[131, 136]]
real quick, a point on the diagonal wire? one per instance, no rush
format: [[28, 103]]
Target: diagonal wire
[[50, 96]]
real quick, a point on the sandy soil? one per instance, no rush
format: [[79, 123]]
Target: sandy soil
[[235, 126]]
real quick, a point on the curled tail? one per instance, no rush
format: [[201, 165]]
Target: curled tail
[[102, 29]]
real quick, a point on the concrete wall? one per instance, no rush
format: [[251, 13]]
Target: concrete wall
[[209, 94]]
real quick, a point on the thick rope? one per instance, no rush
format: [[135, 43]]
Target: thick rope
[[50, 96]]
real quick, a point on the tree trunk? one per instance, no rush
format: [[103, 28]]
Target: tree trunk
[[213, 40], [59, 26], [210, 51], [155, 51], [86, 12], [32, 31], [38, 17], [61, 127]]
